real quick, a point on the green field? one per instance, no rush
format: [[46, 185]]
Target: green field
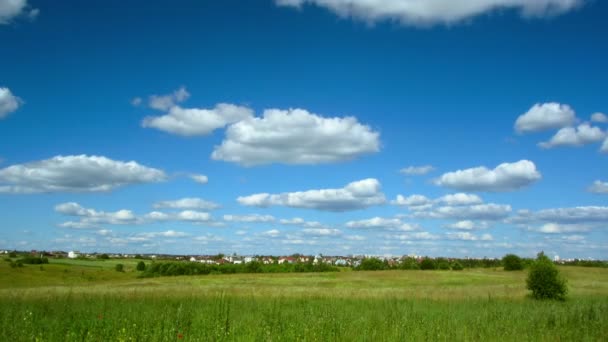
[[80, 300]]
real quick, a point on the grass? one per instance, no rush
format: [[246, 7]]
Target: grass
[[92, 302]]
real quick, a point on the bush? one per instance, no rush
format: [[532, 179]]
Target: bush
[[409, 264], [512, 262], [12, 254], [443, 265], [545, 281], [141, 266], [456, 266], [371, 264], [119, 268], [103, 256], [428, 264]]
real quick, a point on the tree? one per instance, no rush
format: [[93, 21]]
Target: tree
[[545, 281], [119, 268], [141, 266], [456, 266], [512, 262], [428, 264], [371, 264], [103, 256]]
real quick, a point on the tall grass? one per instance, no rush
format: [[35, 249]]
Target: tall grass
[[122, 317]]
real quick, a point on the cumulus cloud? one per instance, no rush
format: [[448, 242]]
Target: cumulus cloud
[[604, 148], [8, 102], [11, 9], [90, 218], [599, 187], [197, 121], [249, 218], [413, 202], [545, 116], [295, 136], [356, 195], [466, 236], [417, 170], [599, 117], [321, 232], [193, 216], [460, 199], [489, 211], [582, 214], [431, 12], [416, 236], [467, 225], [575, 136], [80, 173], [504, 177], [165, 102], [201, 179], [271, 233], [165, 234], [554, 228], [187, 203], [298, 221], [382, 223]]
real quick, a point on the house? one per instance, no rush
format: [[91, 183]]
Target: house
[[248, 259], [73, 254], [342, 262], [237, 262], [267, 260], [289, 260], [192, 259]]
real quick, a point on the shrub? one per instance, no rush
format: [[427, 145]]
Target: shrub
[[12, 254], [409, 264], [141, 266], [119, 268], [443, 265], [456, 266], [512, 262], [103, 256], [545, 281], [428, 264], [371, 264], [31, 260]]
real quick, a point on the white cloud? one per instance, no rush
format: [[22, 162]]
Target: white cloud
[[80, 173], [90, 218], [413, 201], [489, 211], [297, 221], [466, 236], [430, 12], [599, 187], [467, 225], [356, 195], [249, 218], [295, 136], [382, 223], [575, 136], [10, 9], [193, 216], [545, 116], [599, 117], [187, 203], [272, 233], [201, 179], [554, 228], [417, 170], [166, 234], [417, 236], [505, 177], [604, 148], [136, 101], [582, 214], [197, 121], [165, 102], [321, 232], [460, 199], [8, 102]]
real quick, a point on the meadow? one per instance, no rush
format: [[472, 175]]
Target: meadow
[[81, 300]]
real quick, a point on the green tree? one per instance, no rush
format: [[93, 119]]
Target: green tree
[[428, 264], [371, 264], [457, 266], [119, 268], [545, 281], [512, 262], [141, 266]]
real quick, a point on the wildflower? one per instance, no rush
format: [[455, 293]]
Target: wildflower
[[180, 336]]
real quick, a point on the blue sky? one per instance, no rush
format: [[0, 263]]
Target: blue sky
[[454, 128]]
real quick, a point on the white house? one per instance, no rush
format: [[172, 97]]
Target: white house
[[72, 254]]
